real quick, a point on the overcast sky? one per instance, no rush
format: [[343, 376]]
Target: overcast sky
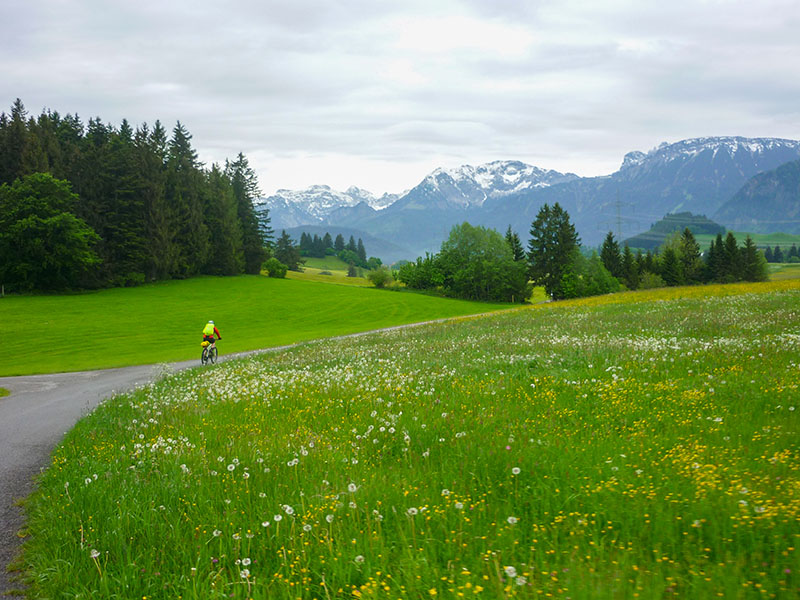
[[379, 93]]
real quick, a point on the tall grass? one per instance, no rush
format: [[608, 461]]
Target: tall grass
[[639, 448]]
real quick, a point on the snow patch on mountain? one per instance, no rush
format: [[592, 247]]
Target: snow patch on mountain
[[471, 186], [731, 146]]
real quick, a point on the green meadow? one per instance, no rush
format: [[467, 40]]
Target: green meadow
[[163, 321], [636, 445]]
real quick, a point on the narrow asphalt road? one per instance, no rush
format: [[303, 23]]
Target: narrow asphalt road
[[37, 414], [33, 419]]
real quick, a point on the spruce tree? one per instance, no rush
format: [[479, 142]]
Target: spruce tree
[[792, 253], [513, 241], [246, 190], [754, 266], [551, 247], [327, 240], [222, 213], [351, 245], [183, 192], [691, 265], [670, 267], [768, 254], [777, 255], [361, 251], [287, 253], [630, 269], [338, 245], [611, 257], [730, 264]]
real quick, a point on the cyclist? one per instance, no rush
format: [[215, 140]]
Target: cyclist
[[209, 331]]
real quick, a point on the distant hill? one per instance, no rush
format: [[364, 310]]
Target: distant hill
[[768, 202], [660, 231]]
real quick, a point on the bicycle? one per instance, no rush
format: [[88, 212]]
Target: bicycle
[[209, 354]]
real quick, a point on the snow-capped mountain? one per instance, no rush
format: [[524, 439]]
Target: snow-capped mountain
[[697, 175], [317, 204], [468, 186], [756, 149]]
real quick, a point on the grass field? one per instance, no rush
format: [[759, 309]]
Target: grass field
[[163, 322], [637, 445], [781, 271]]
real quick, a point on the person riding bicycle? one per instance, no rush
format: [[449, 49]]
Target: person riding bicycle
[[209, 331]]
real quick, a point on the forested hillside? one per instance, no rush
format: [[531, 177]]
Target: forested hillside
[[142, 205]]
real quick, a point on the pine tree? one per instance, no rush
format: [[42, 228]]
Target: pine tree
[[361, 251], [792, 253], [730, 264], [691, 265], [338, 245], [286, 252], [14, 140], [222, 213], [777, 255], [754, 266], [611, 257], [245, 189], [670, 267], [327, 240], [265, 226], [768, 254], [714, 264], [551, 247], [183, 193], [630, 269], [513, 241], [351, 245]]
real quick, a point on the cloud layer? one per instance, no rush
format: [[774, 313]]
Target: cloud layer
[[376, 93]]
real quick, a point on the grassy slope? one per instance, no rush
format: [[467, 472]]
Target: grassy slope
[[162, 322], [632, 445]]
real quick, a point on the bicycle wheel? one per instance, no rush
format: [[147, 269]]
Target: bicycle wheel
[[212, 355], [204, 356]]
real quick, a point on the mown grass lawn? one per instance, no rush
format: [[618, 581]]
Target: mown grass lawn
[[163, 322], [638, 445]]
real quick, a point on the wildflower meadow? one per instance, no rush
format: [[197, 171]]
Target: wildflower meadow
[[641, 446]]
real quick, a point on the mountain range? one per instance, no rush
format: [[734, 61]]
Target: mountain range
[[710, 176]]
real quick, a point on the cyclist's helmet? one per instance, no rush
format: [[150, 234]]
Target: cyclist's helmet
[[212, 322]]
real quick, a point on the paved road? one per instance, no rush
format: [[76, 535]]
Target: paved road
[[33, 419]]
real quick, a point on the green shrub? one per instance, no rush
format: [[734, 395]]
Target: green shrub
[[380, 277], [275, 268]]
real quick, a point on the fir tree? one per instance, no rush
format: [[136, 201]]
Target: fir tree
[[338, 245], [245, 190], [287, 253], [611, 257], [513, 241], [754, 266], [691, 265], [730, 264], [630, 269], [361, 251], [551, 247], [670, 267]]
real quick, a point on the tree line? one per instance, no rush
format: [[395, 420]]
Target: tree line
[[93, 205], [351, 252], [479, 264], [792, 255], [679, 261]]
